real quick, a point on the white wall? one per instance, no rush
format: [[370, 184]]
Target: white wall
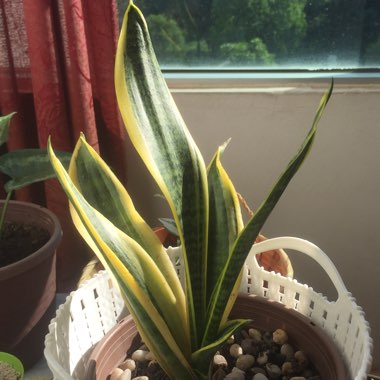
[[334, 201]]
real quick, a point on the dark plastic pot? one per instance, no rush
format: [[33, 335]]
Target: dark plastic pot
[[28, 287], [267, 315]]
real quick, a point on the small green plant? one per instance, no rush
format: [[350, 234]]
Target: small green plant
[[23, 166], [182, 327]]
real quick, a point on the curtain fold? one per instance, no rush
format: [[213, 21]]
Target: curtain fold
[[56, 72]]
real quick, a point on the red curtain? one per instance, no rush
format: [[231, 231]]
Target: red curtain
[[56, 72]]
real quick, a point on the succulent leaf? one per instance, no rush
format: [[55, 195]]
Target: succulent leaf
[[227, 281], [101, 188], [225, 221], [145, 289], [160, 136], [183, 328], [202, 358]]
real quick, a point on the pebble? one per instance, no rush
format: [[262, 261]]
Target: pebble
[[273, 371], [256, 370], [255, 335], [139, 355], [126, 375], [128, 364], [219, 374], [301, 358], [249, 347], [268, 337], [244, 362], [236, 350], [252, 354], [236, 374], [288, 351], [262, 358], [280, 336], [116, 373], [266, 356], [260, 376], [287, 368], [220, 361]]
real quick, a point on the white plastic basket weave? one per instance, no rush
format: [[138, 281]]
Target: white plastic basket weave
[[90, 312]]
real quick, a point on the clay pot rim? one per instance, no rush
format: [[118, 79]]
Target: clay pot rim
[[297, 320], [42, 253]]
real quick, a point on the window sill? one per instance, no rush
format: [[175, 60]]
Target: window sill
[[271, 81]]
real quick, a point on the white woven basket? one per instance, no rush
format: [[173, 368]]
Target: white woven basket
[[90, 312]]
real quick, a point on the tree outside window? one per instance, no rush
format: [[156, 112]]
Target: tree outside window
[[268, 34]]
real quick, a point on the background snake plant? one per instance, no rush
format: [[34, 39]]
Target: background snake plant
[[182, 327]]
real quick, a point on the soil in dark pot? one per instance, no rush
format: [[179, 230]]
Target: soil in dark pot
[[267, 316], [27, 279]]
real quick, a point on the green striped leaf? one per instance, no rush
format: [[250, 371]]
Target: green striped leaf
[[227, 281], [147, 294], [203, 357], [161, 138], [225, 219], [101, 188]]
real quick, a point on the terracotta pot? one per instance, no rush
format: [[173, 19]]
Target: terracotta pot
[[166, 238], [267, 315], [28, 287], [275, 260]]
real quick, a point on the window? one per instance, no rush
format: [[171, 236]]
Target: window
[[264, 34]]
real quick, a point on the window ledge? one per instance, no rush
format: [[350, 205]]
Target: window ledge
[[208, 81]]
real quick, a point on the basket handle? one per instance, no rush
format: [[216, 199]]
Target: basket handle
[[306, 247]]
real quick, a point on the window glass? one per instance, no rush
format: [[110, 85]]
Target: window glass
[[264, 34]]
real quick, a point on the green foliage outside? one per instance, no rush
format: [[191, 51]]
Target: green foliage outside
[[168, 38], [373, 53], [264, 33], [237, 53]]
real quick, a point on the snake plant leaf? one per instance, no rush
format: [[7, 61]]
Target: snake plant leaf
[[101, 188], [203, 357], [103, 191], [4, 127], [164, 143], [227, 281], [225, 219], [146, 318], [152, 328], [146, 292], [27, 166]]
